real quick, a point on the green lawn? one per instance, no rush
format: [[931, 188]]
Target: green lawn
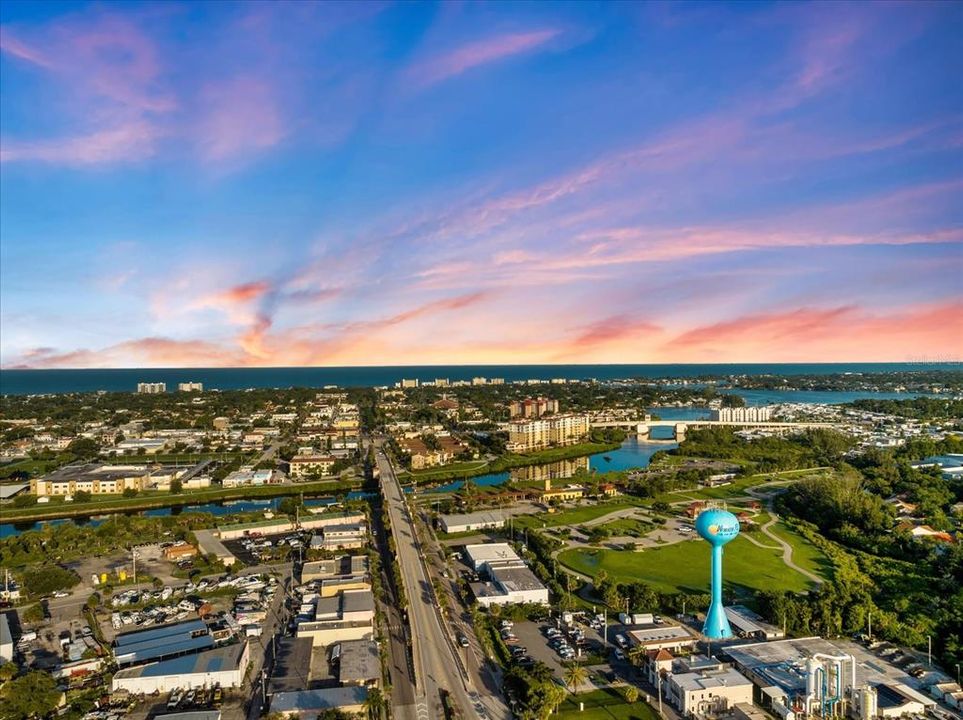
[[804, 553], [633, 527], [684, 567], [607, 704]]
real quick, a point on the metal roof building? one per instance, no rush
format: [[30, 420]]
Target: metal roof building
[[163, 642], [224, 665]]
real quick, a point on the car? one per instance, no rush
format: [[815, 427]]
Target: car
[[507, 624], [519, 650], [61, 594], [619, 655], [621, 641], [462, 640]]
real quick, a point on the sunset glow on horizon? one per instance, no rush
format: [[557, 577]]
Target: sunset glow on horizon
[[270, 184]]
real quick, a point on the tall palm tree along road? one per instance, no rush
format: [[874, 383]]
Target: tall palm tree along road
[[435, 661]]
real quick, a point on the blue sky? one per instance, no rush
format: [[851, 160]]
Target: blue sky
[[364, 183]]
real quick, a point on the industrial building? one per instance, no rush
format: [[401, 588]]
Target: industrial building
[[510, 579], [160, 643], [699, 686], [747, 624], [225, 666], [805, 676], [482, 520], [209, 545], [490, 554], [509, 585], [662, 637]]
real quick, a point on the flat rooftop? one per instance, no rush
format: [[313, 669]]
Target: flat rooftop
[[359, 661], [659, 633], [695, 681], [519, 579], [483, 517], [311, 702], [491, 552]]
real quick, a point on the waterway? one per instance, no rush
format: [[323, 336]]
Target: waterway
[[220, 509], [31, 382], [632, 454]]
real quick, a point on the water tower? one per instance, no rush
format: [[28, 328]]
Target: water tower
[[718, 526]]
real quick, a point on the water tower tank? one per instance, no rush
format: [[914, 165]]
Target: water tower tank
[[717, 527]]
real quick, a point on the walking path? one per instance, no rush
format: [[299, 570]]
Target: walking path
[[786, 547]]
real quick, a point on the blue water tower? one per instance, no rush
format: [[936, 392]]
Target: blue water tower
[[718, 527]]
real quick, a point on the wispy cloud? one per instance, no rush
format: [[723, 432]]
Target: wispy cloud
[[477, 53]]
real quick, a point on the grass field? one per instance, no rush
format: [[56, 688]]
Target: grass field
[[684, 566], [804, 553], [605, 704], [632, 527]]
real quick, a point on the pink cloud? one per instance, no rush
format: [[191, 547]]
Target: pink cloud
[[239, 116], [823, 334], [475, 54], [127, 142]]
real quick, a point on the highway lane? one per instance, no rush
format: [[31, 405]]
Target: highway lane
[[437, 665]]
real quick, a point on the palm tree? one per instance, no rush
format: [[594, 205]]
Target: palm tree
[[575, 675], [374, 703]]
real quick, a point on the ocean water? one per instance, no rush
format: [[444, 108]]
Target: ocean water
[[30, 382]]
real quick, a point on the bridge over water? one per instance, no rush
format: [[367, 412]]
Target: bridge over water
[[679, 428]]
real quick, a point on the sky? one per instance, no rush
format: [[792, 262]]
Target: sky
[[268, 184]]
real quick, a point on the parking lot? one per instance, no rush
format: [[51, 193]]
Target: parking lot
[[260, 549], [538, 645]]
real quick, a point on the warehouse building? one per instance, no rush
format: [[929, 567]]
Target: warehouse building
[[161, 643], [225, 666], [510, 585], [466, 522]]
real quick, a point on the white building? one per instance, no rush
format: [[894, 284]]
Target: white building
[[190, 387], [510, 585], [471, 521], [225, 665], [484, 556], [249, 476], [152, 388], [742, 414], [708, 692], [510, 579]]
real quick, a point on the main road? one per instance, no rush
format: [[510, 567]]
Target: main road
[[436, 661]]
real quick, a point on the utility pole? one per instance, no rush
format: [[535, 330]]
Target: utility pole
[[658, 675]]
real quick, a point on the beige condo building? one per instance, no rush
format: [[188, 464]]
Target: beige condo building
[[525, 435]]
